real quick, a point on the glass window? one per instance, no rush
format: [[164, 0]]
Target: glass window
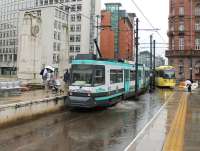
[[169, 74], [116, 76], [55, 35], [197, 43], [73, 18], [82, 75], [79, 7], [78, 38], [77, 48], [99, 78], [41, 2], [181, 43], [78, 28], [197, 10], [59, 36], [78, 17], [71, 48], [45, 2], [181, 26], [50, 1], [58, 46], [1, 58], [181, 10], [72, 28], [197, 25], [72, 38], [73, 8]]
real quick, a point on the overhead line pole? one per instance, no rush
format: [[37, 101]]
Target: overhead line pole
[[151, 73], [97, 28], [136, 58], [154, 64]]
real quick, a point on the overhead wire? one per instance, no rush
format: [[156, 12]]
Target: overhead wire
[[148, 21]]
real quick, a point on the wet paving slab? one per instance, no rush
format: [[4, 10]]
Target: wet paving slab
[[192, 128], [112, 129]]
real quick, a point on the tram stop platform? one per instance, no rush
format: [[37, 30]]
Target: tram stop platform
[[176, 127], [184, 131]]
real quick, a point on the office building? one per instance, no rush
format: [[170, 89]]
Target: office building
[[81, 28], [117, 34]]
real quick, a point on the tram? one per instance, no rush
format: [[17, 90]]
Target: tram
[[100, 82], [165, 76]]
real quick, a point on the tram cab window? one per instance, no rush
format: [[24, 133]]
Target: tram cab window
[[99, 76], [167, 74], [82, 75], [116, 76]]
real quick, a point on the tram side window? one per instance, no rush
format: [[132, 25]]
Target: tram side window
[[99, 78], [116, 76], [132, 77], [146, 74], [139, 74]]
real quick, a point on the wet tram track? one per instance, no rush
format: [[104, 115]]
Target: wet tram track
[[14, 136], [115, 124]]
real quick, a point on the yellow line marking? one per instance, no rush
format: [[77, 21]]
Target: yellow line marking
[[175, 137]]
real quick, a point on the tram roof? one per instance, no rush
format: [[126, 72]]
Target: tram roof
[[103, 62]]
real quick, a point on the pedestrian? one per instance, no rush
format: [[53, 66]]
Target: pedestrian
[[47, 78], [188, 85], [66, 79]]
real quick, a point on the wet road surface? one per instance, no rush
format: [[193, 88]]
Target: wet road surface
[[106, 130]]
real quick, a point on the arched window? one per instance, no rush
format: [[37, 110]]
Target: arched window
[[197, 67]]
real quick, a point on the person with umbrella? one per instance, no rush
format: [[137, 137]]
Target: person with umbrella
[[188, 84], [47, 76]]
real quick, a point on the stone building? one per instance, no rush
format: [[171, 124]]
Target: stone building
[[184, 38], [43, 35]]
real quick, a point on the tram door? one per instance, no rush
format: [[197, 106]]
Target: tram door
[[126, 80]]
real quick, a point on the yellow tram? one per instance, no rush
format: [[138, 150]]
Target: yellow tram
[[165, 76]]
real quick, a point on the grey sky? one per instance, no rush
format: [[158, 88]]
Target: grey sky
[[156, 11]]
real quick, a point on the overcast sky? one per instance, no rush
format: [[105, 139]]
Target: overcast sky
[[157, 13]]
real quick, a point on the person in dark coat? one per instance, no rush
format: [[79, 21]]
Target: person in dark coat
[[66, 77]]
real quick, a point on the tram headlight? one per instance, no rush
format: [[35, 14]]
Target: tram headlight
[[89, 94]]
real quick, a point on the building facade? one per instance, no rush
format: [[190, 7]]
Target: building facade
[[117, 36], [144, 58], [184, 38], [81, 27]]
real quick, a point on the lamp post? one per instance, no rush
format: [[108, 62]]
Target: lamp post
[[191, 79], [154, 63]]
